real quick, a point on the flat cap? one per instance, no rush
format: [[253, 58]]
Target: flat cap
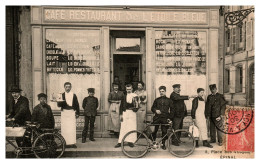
[[162, 87], [212, 86], [92, 90], [176, 86], [42, 95]]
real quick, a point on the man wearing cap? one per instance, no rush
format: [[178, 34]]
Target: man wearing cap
[[162, 108], [180, 110], [42, 113], [116, 100], [20, 112], [69, 113], [215, 111], [90, 105]]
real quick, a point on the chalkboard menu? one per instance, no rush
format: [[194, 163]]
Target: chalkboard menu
[[72, 51], [180, 52]]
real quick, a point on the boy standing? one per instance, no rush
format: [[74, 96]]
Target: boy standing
[[90, 105], [42, 113]]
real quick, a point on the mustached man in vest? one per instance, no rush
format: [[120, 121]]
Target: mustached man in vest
[[69, 113]]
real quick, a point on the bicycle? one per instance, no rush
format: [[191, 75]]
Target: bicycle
[[142, 143], [46, 143]]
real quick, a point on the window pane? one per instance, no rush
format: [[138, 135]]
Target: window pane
[[73, 56], [181, 59], [128, 44]]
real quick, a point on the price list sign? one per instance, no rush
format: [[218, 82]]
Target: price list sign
[[72, 51], [180, 52]]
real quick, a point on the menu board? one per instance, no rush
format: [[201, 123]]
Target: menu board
[[180, 52], [72, 51]]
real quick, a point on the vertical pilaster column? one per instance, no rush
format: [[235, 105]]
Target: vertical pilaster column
[[150, 69], [213, 57], [106, 67]]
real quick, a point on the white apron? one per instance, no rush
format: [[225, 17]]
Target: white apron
[[201, 122], [113, 117], [68, 126], [128, 124]]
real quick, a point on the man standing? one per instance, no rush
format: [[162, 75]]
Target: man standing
[[116, 100], [162, 107], [20, 113], [42, 113], [128, 117], [215, 110], [69, 113], [90, 105], [180, 110]]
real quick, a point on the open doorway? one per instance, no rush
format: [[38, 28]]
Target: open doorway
[[128, 68]]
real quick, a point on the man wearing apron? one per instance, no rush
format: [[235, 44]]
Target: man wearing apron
[[128, 117], [69, 113], [116, 100], [199, 117]]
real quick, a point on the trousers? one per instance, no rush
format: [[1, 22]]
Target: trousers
[[89, 122], [213, 130]]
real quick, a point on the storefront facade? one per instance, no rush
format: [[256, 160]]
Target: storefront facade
[[89, 46]]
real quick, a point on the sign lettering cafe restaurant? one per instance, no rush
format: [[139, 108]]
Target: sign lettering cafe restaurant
[[89, 46]]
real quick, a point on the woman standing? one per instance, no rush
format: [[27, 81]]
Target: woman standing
[[141, 113], [199, 118]]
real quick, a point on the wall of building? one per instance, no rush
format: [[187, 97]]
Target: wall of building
[[239, 53], [26, 53]]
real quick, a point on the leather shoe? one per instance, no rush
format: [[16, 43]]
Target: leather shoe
[[130, 144], [212, 141], [206, 144], [92, 139], [163, 147], [220, 144], [83, 140], [118, 145]]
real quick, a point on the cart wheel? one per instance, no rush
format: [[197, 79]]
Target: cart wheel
[[138, 146], [48, 145], [181, 143]]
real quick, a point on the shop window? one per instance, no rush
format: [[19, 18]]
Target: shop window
[[73, 56], [239, 78], [181, 59], [226, 80], [128, 44]]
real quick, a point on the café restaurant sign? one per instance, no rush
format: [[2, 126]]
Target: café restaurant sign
[[125, 16]]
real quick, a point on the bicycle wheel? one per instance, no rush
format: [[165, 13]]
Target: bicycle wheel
[[48, 145], [181, 143], [139, 147]]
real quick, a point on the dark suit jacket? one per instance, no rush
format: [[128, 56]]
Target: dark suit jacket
[[165, 105], [215, 105], [20, 111], [195, 106], [90, 105], [180, 109], [75, 104], [45, 120]]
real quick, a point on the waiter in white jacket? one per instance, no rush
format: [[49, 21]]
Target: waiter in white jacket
[[128, 116], [69, 113]]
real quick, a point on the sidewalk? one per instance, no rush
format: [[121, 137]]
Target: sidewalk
[[104, 148]]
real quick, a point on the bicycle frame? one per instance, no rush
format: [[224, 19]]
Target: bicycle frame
[[34, 134], [160, 140]]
